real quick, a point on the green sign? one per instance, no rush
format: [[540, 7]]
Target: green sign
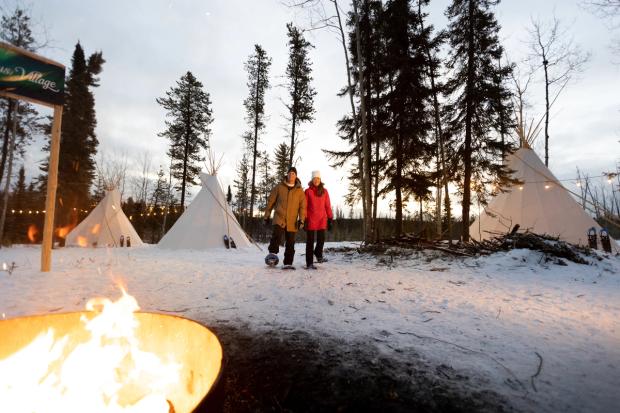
[[24, 74]]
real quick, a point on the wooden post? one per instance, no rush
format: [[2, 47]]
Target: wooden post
[[50, 201]]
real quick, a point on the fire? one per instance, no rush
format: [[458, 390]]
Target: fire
[[62, 232], [95, 229], [33, 231], [99, 368], [82, 241]]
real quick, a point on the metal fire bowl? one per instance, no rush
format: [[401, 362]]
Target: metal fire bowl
[[191, 344]]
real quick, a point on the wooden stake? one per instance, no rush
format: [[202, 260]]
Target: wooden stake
[[52, 183]]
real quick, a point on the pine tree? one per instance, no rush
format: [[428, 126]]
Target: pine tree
[[241, 185], [369, 163], [189, 111], [265, 183], [159, 202], [407, 97], [281, 161], [78, 145], [299, 76], [257, 67], [15, 29], [431, 47], [474, 92]]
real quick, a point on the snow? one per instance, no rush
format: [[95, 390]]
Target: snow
[[490, 318]]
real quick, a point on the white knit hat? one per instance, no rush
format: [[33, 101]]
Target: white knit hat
[[316, 174]]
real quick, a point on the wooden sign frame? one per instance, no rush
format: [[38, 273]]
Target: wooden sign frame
[[52, 170]]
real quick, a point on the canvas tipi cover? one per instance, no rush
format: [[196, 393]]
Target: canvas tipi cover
[[205, 221], [104, 226], [541, 205]]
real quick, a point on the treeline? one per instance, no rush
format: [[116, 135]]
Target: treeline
[[427, 119]]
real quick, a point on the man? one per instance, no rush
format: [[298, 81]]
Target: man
[[288, 201]]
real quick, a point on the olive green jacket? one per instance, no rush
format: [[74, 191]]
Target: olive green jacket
[[289, 205]]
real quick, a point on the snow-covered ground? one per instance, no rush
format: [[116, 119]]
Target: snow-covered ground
[[495, 319]]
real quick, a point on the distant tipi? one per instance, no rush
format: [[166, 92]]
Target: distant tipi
[[541, 204], [206, 222], [106, 226]]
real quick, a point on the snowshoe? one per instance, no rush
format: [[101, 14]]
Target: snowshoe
[[272, 260], [311, 267], [592, 243], [605, 241], [288, 267], [321, 260]]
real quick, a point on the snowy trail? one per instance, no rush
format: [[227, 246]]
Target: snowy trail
[[489, 318]]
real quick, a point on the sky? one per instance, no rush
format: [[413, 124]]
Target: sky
[[149, 45]]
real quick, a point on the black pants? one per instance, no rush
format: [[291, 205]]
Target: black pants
[[311, 249], [276, 239]]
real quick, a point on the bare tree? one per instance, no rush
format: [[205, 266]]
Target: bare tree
[[609, 10], [112, 173], [140, 184], [553, 50]]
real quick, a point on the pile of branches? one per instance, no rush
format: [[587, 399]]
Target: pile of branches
[[550, 246]]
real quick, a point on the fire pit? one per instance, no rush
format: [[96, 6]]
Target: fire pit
[[158, 363]]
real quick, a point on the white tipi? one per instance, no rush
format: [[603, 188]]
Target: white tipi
[[540, 204], [105, 226], [206, 221]]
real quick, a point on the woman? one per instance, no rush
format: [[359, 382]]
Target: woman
[[318, 217]]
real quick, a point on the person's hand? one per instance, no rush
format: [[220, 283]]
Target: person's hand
[[300, 224], [330, 223]]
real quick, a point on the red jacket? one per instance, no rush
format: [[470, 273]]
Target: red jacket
[[318, 209]]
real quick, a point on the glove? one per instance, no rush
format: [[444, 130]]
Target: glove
[[330, 223], [267, 221]]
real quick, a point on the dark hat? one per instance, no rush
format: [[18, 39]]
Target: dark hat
[[292, 169]]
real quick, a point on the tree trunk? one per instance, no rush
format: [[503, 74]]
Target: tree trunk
[[398, 184], [185, 153], [376, 193], [365, 173], [294, 120], [468, 126], [253, 189], [441, 164], [7, 184], [7, 137], [360, 162], [168, 200], [545, 63]]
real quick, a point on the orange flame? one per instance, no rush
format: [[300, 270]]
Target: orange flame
[[82, 241], [95, 229], [121, 376], [61, 232], [33, 231]]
